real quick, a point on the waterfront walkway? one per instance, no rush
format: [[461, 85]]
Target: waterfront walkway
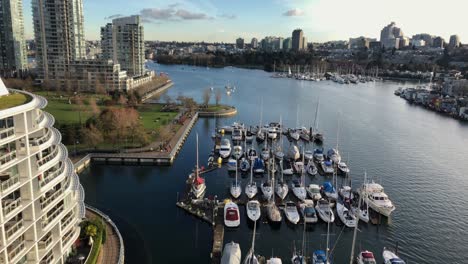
[[111, 249]]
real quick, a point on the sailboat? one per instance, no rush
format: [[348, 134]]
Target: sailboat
[[253, 210], [273, 213], [290, 210], [236, 189], [265, 152], [308, 211], [321, 256], [281, 187], [316, 135], [279, 154], [330, 191], [324, 211], [251, 188], [231, 253], [198, 185], [300, 257], [362, 208], [298, 187], [244, 165], [267, 188], [251, 258], [345, 215], [258, 165], [260, 133]]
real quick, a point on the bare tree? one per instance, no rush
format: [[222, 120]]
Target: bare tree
[[206, 96], [91, 136]]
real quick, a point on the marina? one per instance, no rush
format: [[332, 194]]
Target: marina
[[405, 179]]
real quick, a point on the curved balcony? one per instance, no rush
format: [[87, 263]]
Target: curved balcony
[[6, 134], [7, 158], [12, 227], [51, 175], [81, 204], [47, 219], [10, 206], [7, 185], [59, 153], [47, 201], [35, 102], [51, 137]]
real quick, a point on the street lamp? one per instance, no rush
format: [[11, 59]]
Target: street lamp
[[81, 258], [76, 142]]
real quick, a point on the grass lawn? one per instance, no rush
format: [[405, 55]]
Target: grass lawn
[[214, 108], [12, 100], [152, 116], [66, 113]]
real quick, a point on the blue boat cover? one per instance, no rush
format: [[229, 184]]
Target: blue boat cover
[[258, 164], [328, 163], [318, 151], [320, 255], [397, 261], [328, 187]]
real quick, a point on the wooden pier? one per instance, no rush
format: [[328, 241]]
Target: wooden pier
[[218, 237]]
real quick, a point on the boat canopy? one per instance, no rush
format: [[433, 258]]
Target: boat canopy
[[367, 255], [199, 180], [320, 255], [318, 151], [328, 187], [397, 261], [328, 163], [258, 163], [232, 214]]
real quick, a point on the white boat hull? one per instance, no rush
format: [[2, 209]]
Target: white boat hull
[[253, 210], [251, 190], [300, 193]]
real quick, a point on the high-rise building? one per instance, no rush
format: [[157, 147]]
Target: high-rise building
[[454, 41], [297, 40], [12, 44], [123, 42], [438, 42], [59, 35], [390, 36], [254, 43], [240, 43], [287, 44], [304, 43], [404, 42], [428, 39], [359, 42], [42, 200]]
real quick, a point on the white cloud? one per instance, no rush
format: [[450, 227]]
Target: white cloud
[[294, 12]]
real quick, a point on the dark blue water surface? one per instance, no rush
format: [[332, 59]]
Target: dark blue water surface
[[420, 157]]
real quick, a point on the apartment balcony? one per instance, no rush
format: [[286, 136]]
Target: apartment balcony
[[45, 120], [42, 140], [9, 183], [44, 244], [67, 237], [49, 258], [46, 201], [10, 205], [6, 158], [50, 175], [48, 158], [12, 227], [16, 248], [6, 134], [47, 219]]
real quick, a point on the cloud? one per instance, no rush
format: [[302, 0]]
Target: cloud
[[294, 12], [228, 16], [114, 16], [171, 13], [187, 15]]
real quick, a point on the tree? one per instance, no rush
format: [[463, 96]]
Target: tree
[[91, 230], [206, 96], [91, 136], [218, 96]]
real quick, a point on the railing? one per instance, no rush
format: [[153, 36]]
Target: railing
[[67, 220], [48, 157], [40, 118], [48, 219], [16, 250], [46, 243], [47, 201], [7, 157], [52, 175], [14, 228], [5, 185], [11, 206], [66, 238], [41, 140], [7, 132], [116, 230], [48, 258]]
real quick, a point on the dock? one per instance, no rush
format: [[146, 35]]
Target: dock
[[218, 237]]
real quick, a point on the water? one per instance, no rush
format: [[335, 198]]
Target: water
[[418, 156]]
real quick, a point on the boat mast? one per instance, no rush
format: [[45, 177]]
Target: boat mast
[[355, 230], [316, 116], [236, 173], [196, 169], [328, 238], [251, 174]]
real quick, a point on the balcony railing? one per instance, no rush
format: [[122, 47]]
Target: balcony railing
[[67, 237], [47, 201], [7, 157], [43, 244], [12, 253], [48, 258], [6, 133], [41, 140], [14, 228], [8, 207], [67, 220], [46, 220], [12, 181], [52, 175], [48, 157], [40, 118]]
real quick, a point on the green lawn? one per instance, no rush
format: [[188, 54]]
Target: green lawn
[[66, 113], [12, 100], [152, 116], [214, 108]]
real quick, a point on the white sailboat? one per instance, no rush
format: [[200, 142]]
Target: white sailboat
[[313, 190], [298, 187], [251, 258], [281, 187], [300, 257], [266, 187], [290, 210], [273, 213], [253, 210], [345, 215], [260, 137], [237, 152], [324, 211], [236, 189], [362, 208], [316, 135], [225, 149], [198, 184], [231, 253], [265, 152], [279, 154], [251, 188]]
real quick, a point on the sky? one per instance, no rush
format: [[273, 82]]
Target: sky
[[321, 20]]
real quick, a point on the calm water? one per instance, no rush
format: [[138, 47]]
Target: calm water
[[420, 158]]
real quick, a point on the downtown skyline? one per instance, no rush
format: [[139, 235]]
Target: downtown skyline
[[223, 21]]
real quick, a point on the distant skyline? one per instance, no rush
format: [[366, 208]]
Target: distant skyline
[[321, 20]]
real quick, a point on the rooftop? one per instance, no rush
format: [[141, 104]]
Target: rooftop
[[12, 100]]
